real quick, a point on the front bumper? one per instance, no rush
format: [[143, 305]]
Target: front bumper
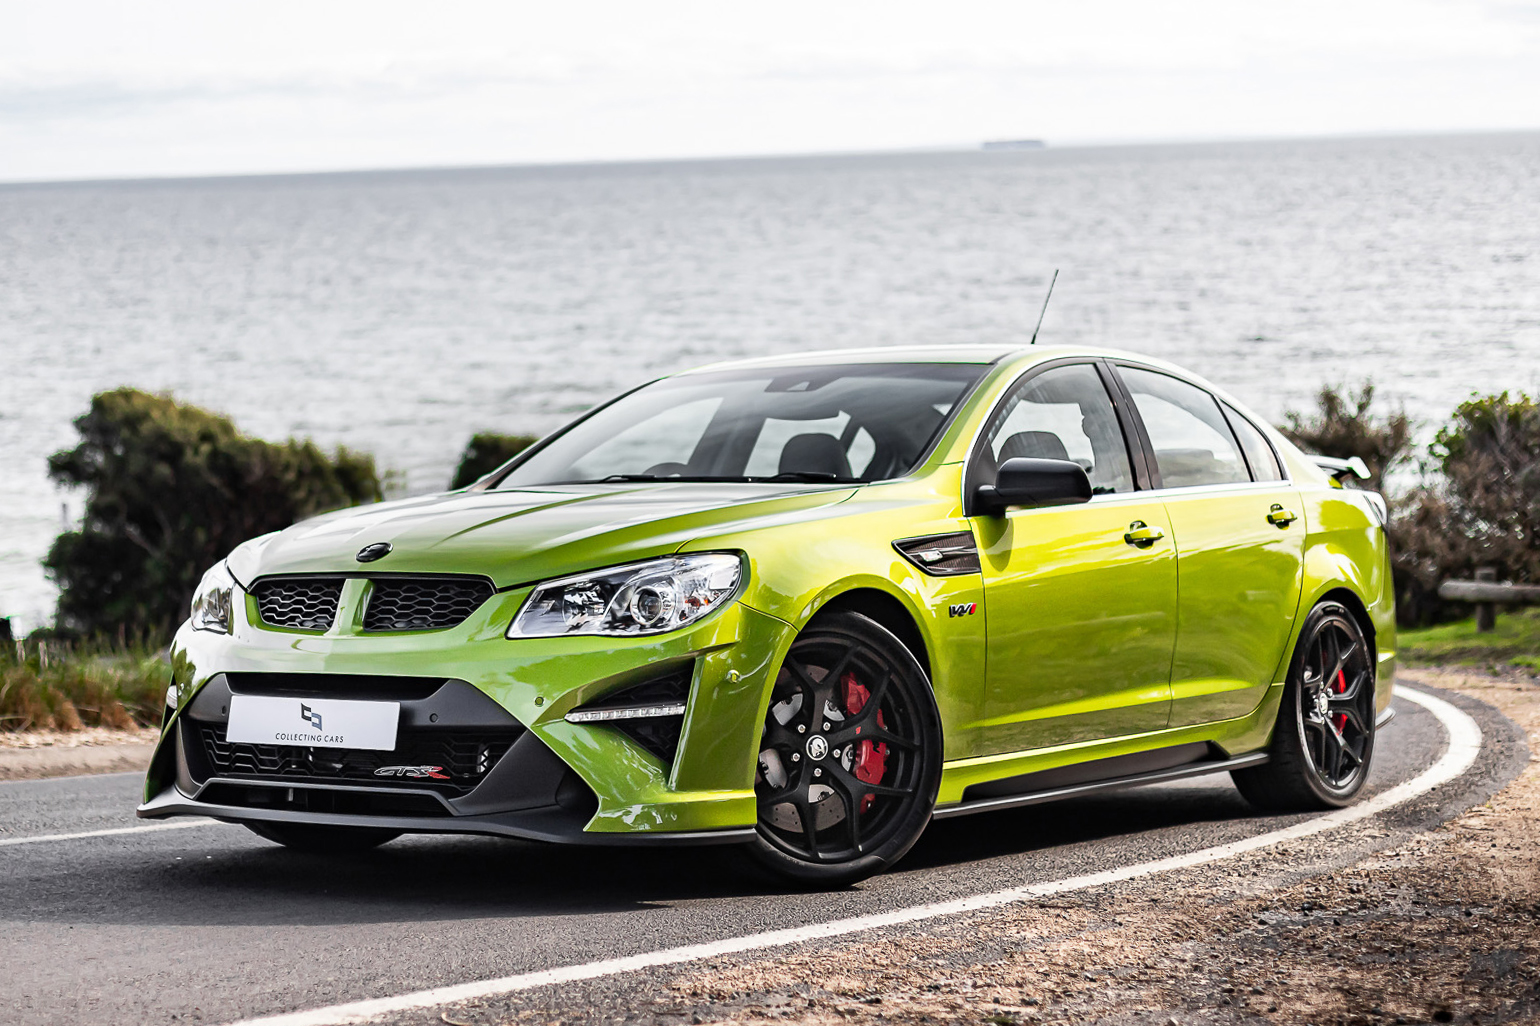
[[530, 826], [704, 792]]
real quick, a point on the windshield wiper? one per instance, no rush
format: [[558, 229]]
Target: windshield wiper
[[810, 475], [660, 477]]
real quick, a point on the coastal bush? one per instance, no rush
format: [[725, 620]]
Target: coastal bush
[[1481, 507], [485, 452], [171, 489]]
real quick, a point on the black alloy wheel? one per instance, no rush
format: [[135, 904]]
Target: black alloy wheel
[[322, 839], [850, 758], [1324, 740]]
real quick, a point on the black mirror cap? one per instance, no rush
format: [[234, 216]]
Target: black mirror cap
[[1028, 481]]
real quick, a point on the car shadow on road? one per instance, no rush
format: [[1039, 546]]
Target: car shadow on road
[[222, 875], [1128, 819]]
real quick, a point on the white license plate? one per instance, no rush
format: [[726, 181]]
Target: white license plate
[[315, 722]]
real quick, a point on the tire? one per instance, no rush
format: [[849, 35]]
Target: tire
[[313, 837], [1324, 739], [845, 794]]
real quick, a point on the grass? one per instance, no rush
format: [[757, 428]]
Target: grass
[[54, 686], [1515, 642]]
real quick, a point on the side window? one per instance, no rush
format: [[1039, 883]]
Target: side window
[[1193, 444], [1259, 454], [1063, 414]]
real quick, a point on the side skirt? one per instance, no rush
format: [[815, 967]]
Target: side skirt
[[1195, 769]]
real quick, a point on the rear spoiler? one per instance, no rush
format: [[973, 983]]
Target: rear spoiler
[[1340, 469]]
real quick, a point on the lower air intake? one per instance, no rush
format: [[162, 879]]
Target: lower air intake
[[650, 713], [451, 762]]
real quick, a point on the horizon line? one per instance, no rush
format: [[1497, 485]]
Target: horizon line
[[1048, 146]]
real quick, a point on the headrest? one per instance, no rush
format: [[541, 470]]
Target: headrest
[[1043, 445], [814, 454]]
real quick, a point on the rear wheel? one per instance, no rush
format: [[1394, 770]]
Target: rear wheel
[[850, 757], [1324, 739], [315, 837]]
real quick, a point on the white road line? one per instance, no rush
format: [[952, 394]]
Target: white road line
[[179, 825], [1464, 745]]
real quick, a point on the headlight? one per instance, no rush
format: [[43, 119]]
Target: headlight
[[642, 598], [212, 602]]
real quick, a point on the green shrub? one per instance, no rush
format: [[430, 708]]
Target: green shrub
[[172, 488], [485, 452], [1483, 508]]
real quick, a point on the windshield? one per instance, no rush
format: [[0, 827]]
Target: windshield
[[861, 422]]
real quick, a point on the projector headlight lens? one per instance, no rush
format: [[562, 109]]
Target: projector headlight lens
[[641, 598]]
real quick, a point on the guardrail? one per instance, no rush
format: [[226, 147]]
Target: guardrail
[[1487, 592]]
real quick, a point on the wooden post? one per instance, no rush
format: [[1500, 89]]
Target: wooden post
[[1486, 612]]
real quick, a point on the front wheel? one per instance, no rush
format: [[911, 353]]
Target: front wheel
[[850, 756], [1324, 739]]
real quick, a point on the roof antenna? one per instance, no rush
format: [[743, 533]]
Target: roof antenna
[[1045, 307]]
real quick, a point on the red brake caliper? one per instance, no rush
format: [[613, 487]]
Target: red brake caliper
[[1341, 687], [871, 760]]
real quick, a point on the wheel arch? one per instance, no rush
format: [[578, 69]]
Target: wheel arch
[[1363, 611], [889, 612], [1355, 605]]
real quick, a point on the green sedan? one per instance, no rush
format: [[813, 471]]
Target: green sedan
[[805, 605]]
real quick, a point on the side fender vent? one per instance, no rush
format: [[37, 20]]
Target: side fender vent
[[941, 555]]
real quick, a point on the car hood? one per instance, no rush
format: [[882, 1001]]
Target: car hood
[[521, 536]]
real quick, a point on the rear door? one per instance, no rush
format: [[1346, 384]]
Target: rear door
[[1080, 620], [1239, 545]]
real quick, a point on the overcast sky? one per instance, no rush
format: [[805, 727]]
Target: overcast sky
[[102, 88]]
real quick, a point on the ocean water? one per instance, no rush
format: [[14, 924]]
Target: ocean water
[[399, 312]]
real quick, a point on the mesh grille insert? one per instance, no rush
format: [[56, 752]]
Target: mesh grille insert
[[458, 759], [303, 603], [423, 603]]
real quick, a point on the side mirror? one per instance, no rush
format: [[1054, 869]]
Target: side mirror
[[1027, 481]]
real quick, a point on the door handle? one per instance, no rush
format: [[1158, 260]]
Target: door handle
[[1141, 535], [1280, 517]]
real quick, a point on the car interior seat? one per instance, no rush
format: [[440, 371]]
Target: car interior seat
[[1043, 445], [814, 454]]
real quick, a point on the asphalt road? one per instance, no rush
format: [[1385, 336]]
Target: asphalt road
[[212, 924]]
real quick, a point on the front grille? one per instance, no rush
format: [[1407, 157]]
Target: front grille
[[465, 757], [299, 603], [423, 603]]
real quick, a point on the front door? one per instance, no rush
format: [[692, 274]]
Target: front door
[[1241, 545], [1081, 600]]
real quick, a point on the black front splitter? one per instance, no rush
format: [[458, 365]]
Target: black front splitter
[[553, 826]]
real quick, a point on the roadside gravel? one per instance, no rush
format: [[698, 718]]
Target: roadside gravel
[[33, 755], [1402, 926]]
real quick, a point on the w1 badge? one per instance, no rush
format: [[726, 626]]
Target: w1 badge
[[316, 722]]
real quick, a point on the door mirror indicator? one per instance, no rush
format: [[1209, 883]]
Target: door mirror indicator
[[1031, 481]]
